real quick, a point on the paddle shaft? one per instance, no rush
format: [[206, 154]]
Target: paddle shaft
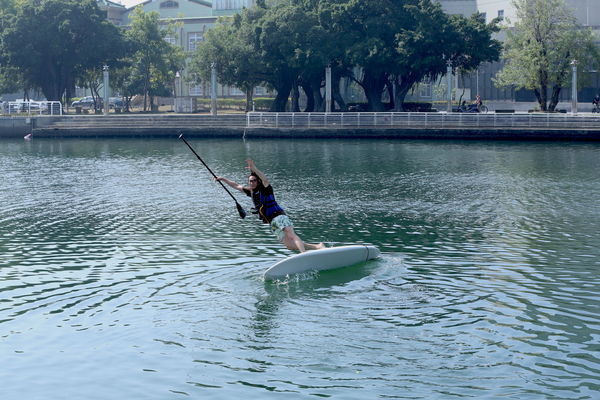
[[207, 167]]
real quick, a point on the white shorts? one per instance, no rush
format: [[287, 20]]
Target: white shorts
[[278, 223]]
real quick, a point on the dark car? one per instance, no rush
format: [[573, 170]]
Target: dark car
[[115, 102], [84, 102]]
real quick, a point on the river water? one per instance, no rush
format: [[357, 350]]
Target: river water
[[126, 273]]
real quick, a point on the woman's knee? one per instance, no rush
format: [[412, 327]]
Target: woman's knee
[[291, 240]]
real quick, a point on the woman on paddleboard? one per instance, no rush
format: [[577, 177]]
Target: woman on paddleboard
[[261, 192]]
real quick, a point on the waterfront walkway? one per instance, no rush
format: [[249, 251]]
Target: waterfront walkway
[[307, 125]]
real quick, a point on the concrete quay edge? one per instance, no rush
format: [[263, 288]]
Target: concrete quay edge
[[323, 133], [231, 126]]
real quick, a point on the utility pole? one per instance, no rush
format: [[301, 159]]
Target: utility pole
[[106, 99], [213, 89], [328, 89], [574, 88], [449, 74]]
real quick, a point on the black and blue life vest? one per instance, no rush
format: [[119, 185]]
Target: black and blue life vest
[[265, 204]]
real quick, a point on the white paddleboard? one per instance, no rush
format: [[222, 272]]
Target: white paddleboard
[[323, 259]]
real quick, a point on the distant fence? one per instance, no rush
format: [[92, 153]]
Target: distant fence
[[422, 120], [31, 108]]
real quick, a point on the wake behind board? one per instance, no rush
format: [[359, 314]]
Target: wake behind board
[[324, 259]]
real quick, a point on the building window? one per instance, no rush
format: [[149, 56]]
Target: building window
[[425, 90], [171, 40], [233, 91], [169, 4], [193, 39], [232, 4], [501, 14], [484, 16]]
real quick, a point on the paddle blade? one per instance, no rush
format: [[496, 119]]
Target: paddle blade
[[240, 210]]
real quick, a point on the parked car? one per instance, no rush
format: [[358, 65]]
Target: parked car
[[85, 102], [115, 102]]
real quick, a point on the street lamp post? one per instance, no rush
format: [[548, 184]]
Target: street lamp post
[[328, 89], [213, 89], [175, 100], [106, 100], [574, 88], [477, 81], [449, 74]]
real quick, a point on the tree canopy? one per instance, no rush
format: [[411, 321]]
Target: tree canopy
[[152, 63], [236, 62], [9, 76], [540, 47], [382, 44], [53, 43]]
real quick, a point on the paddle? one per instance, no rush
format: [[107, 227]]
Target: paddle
[[241, 211]]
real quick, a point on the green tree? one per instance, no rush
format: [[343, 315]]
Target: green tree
[[435, 40], [398, 43], [282, 39], [424, 45], [52, 43], [280, 45], [233, 58], [540, 47], [10, 79], [288, 44], [365, 30], [324, 49], [154, 61]]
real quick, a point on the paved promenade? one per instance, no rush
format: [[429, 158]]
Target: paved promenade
[[317, 125]]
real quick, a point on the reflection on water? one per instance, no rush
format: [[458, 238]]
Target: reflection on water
[[127, 273]]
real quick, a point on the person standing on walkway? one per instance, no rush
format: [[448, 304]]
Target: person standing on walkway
[[260, 190]]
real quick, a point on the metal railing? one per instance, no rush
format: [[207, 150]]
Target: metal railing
[[422, 120], [31, 108]]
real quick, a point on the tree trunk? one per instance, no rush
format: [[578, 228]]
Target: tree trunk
[[295, 98], [390, 88], [554, 98], [95, 96], [336, 77], [315, 81], [541, 93], [373, 85], [281, 99], [50, 88], [402, 89], [318, 98], [249, 97], [146, 87], [310, 100], [556, 89]]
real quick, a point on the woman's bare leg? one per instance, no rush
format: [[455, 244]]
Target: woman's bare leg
[[293, 242], [311, 246]]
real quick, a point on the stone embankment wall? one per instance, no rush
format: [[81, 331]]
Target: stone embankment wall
[[234, 126], [15, 126]]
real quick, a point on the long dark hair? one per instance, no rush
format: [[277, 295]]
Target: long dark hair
[[259, 182]]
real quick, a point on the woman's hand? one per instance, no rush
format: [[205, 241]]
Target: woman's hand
[[258, 172]]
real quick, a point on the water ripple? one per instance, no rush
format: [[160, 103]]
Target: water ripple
[[124, 260]]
